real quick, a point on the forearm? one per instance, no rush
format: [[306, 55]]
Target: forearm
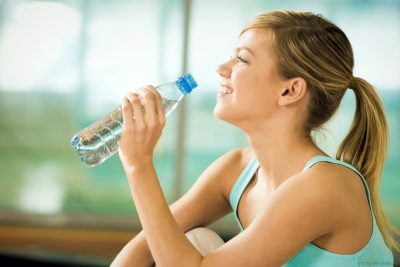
[[168, 244], [140, 134], [135, 254]]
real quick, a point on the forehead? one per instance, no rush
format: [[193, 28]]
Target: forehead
[[257, 40]]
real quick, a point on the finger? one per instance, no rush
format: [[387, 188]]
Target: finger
[[157, 100], [158, 106], [148, 96], [154, 114], [154, 117], [127, 112], [137, 107]]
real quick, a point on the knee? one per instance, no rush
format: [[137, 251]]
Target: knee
[[204, 240]]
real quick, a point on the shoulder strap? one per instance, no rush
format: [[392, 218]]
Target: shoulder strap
[[241, 184]]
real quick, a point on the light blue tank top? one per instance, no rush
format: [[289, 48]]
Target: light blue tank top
[[375, 252]]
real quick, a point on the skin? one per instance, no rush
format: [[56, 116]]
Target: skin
[[282, 209]]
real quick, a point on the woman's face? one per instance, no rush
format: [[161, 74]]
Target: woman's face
[[249, 80]]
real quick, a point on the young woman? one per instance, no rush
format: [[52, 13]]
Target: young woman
[[295, 205]]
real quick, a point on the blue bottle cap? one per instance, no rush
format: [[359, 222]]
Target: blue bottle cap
[[187, 82]]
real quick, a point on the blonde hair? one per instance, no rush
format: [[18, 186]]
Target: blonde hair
[[309, 46]]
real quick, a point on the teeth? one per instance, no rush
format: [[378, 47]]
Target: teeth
[[226, 90]]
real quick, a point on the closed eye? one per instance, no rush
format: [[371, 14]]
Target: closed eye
[[240, 59]]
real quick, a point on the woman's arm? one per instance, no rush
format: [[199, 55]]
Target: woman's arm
[[164, 236], [206, 202], [135, 254], [138, 139]]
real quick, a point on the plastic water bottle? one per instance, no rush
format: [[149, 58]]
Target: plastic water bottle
[[99, 141]]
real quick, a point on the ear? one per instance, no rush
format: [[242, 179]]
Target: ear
[[295, 90]]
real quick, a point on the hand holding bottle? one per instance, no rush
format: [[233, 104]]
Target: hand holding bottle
[[100, 140], [141, 131]]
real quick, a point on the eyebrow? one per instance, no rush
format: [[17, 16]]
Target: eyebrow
[[244, 48]]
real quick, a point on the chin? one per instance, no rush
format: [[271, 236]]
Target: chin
[[222, 115], [218, 112]]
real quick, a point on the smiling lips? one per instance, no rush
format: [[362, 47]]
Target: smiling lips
[[224, 89]]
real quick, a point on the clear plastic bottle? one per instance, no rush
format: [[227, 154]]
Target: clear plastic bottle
[[99, 141]]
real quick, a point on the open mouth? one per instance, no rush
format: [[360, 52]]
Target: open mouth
[[225, 90]]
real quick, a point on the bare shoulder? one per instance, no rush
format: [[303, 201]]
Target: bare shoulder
[[336, 192], [228, 167], [220, 176], [208, 199], [239, 157], [332, 179]]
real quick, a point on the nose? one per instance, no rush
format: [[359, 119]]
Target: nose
[[225, 69]]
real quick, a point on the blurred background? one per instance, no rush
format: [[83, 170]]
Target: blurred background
[[64, 64]]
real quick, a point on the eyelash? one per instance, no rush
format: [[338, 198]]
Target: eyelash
[[240, 59]]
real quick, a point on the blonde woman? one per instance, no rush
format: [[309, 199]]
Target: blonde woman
[[295, 205]]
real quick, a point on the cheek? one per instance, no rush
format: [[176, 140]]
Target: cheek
[[241, 82]]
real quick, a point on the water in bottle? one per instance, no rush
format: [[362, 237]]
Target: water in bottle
[[99, 141]]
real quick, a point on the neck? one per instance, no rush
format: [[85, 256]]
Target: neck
[[281, 154]]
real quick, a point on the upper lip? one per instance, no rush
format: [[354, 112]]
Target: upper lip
[[224, 85]]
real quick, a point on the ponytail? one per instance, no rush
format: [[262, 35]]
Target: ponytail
[[365, 147]]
